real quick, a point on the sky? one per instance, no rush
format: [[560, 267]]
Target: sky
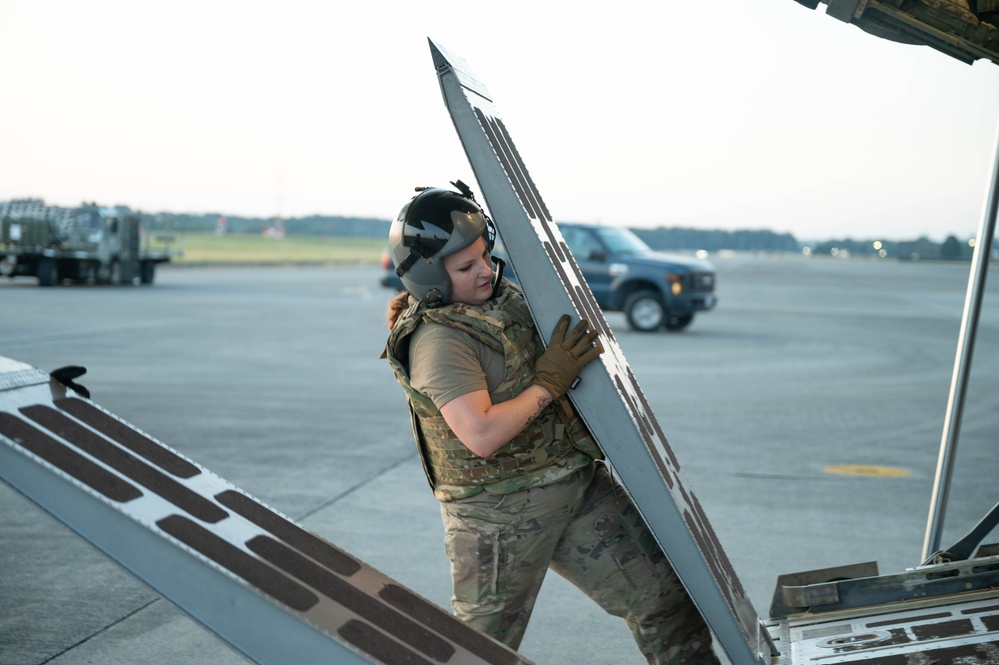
[[723, 115]]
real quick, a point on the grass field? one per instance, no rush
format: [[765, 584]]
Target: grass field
[[245, 248]]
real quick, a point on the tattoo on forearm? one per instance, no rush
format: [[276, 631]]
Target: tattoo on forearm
[[543, 401]]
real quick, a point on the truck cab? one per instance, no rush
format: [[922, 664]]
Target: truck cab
[[653, 289]]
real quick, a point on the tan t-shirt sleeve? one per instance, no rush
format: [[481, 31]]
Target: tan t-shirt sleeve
[[445, 363]]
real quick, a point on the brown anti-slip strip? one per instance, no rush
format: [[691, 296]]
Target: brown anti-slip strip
[[943, 630], [375, 643], [448, 626], [125, 463], [292, 534], [230, 557], [362, 604], [58, 455], [991, 622], [128, 437]]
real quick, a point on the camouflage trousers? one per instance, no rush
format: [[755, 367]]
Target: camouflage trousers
[[586, 528]]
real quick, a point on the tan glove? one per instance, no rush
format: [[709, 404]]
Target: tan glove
[[566, 355]]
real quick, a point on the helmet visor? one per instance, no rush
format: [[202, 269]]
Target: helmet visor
[[437, 221]]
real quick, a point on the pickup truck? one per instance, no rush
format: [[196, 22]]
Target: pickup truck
[[654, 289]]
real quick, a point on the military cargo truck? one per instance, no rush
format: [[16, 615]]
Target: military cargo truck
[[86, 244]]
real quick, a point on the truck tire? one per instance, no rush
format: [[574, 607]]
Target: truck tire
[[644, 310], [115, 273], [48, 272], [147, 272], [675, 322]]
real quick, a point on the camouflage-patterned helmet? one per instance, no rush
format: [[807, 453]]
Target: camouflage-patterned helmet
[[436, 223]]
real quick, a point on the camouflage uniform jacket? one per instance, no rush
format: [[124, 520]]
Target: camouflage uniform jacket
[[553, 445]]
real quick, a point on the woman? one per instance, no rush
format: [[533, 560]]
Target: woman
[[519, 478]]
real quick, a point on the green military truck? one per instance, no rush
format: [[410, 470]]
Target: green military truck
[[86, 244]]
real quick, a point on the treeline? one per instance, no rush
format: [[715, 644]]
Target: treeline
[[313, 225], [906, 250], [681, 239], [662, 238], [677, 239], [318, 225]]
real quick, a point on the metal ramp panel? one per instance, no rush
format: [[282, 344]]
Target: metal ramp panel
[[269, 587]]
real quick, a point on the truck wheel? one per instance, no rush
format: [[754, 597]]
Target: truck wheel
[[48, 272], [116, 278], [676, 322], [644, 310], [147, 272]]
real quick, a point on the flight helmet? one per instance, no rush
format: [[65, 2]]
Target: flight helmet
[[435, 224]]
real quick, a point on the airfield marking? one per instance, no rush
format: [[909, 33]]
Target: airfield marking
[[866, 470]]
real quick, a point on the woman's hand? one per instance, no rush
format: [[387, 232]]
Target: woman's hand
[[566, 356]]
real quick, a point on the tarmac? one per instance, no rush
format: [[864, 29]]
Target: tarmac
[[806, 412]]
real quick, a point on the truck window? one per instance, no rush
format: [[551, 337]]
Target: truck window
[[581, 243], [621, 241], [89, 220]]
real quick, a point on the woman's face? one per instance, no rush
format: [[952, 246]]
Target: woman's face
[[471, 273]]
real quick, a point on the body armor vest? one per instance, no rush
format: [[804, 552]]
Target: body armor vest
[[504, 324]]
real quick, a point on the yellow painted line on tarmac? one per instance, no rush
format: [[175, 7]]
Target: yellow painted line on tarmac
[[866, 470]]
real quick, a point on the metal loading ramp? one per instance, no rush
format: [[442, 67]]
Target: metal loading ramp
[[270, 588]]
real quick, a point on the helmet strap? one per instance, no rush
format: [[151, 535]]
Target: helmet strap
[[498, 276]]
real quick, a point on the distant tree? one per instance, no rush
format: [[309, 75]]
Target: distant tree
[[951, 248], [921, 248]]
